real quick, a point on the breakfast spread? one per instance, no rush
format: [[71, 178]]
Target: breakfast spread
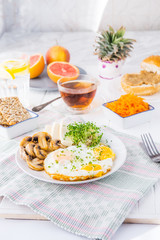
[[147, 82], [128, 105], [77, 151], [12, 111], [70, 152]]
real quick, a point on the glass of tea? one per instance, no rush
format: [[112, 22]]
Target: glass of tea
[[78, 94]]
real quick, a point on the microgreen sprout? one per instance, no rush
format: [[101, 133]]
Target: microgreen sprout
[[84, 133]]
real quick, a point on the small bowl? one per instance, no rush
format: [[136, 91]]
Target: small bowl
[[130, 121], [21, 127]]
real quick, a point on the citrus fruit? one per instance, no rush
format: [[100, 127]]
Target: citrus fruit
[[57, 53], [37, 65], [56, 70], [16, 67], [6, 73]]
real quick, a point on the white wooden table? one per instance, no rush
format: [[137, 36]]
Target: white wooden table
[[80, 45]]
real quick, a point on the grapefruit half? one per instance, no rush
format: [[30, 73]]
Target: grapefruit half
[[37, 65], [56, 70]]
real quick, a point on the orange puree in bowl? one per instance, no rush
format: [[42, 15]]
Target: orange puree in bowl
[[128, 105]]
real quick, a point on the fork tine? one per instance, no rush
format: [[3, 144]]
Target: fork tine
[[150, 145], [157, 152], [146, 145]]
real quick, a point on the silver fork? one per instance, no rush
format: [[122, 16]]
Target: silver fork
[[150, 147]]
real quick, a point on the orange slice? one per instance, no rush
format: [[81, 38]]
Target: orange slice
[[58, 69], [37, 65]]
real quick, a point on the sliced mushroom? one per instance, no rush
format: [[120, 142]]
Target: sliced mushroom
[[52, 146], [41, 154], [43, 139], [36, 164], [30, 149], [25, 141], [24, 155]]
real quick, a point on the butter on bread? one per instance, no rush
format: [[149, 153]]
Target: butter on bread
[[151, 64], [143, 83]]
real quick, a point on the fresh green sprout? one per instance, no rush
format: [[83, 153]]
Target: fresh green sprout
[[84, 133]]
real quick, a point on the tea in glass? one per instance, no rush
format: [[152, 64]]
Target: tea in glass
[[78, 94]]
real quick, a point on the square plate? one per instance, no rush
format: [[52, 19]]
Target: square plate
[[21, 127], [130, 121]]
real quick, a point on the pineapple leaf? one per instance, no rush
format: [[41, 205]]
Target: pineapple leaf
[[121, 32], [111, 29], [112, 46]]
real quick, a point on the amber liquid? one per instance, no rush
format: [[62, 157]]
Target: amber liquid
[[78, 94]]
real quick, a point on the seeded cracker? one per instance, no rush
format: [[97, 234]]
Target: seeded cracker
[[3, 121], [12, 110]]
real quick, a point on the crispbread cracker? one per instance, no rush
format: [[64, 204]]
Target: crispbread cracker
[[12, 110], [3, 121]]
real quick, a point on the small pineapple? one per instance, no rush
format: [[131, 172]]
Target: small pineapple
[[112, 46]]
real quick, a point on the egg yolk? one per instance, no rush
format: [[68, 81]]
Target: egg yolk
[[91, 167], [63, 155], [103, 152]]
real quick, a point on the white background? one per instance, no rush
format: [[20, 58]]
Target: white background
[[78, 15]]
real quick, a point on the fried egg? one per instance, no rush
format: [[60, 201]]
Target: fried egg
[[103, 152], [79, 163]]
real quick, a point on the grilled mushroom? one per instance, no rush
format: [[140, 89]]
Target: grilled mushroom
[[43, 139], [41, 154], [30, 149], [25, 141], [24, 155], [35, 164]]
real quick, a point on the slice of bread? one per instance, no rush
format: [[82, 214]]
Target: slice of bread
[[151, 64], [143, 83]]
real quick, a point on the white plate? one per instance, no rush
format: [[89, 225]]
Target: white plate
[[115, 143], [115, 90]]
